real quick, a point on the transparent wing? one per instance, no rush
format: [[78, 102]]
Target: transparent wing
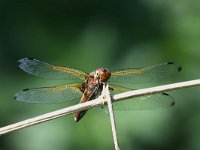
[[144, 75], [47, 71], [117, 89], [56, 94], [156, 101]]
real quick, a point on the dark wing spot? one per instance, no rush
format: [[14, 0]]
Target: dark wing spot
[[165, 94], [171, 62], [172, 104], [19, 63], [25, 89], [30, 58], [15, 97], [179, 69]]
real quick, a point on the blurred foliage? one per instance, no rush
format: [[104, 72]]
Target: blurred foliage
[[89, 34]]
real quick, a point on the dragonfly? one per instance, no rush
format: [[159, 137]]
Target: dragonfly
[[87, 86]]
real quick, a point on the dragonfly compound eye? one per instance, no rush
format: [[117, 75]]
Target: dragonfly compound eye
[[97, 74]]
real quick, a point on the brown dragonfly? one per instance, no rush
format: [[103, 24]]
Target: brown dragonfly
[[86, 86]]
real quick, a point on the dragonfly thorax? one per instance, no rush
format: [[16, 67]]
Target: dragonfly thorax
[[96, 79]]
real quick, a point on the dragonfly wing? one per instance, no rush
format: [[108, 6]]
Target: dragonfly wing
[[56, 94], [47, 71], [155, 101], [150, 74], [117, 89]]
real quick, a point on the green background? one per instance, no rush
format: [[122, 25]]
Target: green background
[[100, 33]]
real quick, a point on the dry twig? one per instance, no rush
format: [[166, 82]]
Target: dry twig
[[108, 99]]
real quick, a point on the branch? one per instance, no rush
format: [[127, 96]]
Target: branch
[[95, 103], [108, 99]]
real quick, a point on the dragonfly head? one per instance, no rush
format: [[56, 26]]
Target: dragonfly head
[[102, 75]]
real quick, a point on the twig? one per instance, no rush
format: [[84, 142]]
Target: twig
[[50, 116], [95, 103], [112, 118], [157, 89]]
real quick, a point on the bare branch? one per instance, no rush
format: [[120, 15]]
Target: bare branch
[[111, 113], [95, 103], [157, 89]]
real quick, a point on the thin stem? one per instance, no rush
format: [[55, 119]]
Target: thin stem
[[50, 116], [97, 102], [112, 118], [157, 89]]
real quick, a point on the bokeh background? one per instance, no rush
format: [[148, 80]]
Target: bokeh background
[[89, 34]]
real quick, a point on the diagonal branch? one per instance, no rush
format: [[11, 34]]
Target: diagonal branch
[[95, 103]]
